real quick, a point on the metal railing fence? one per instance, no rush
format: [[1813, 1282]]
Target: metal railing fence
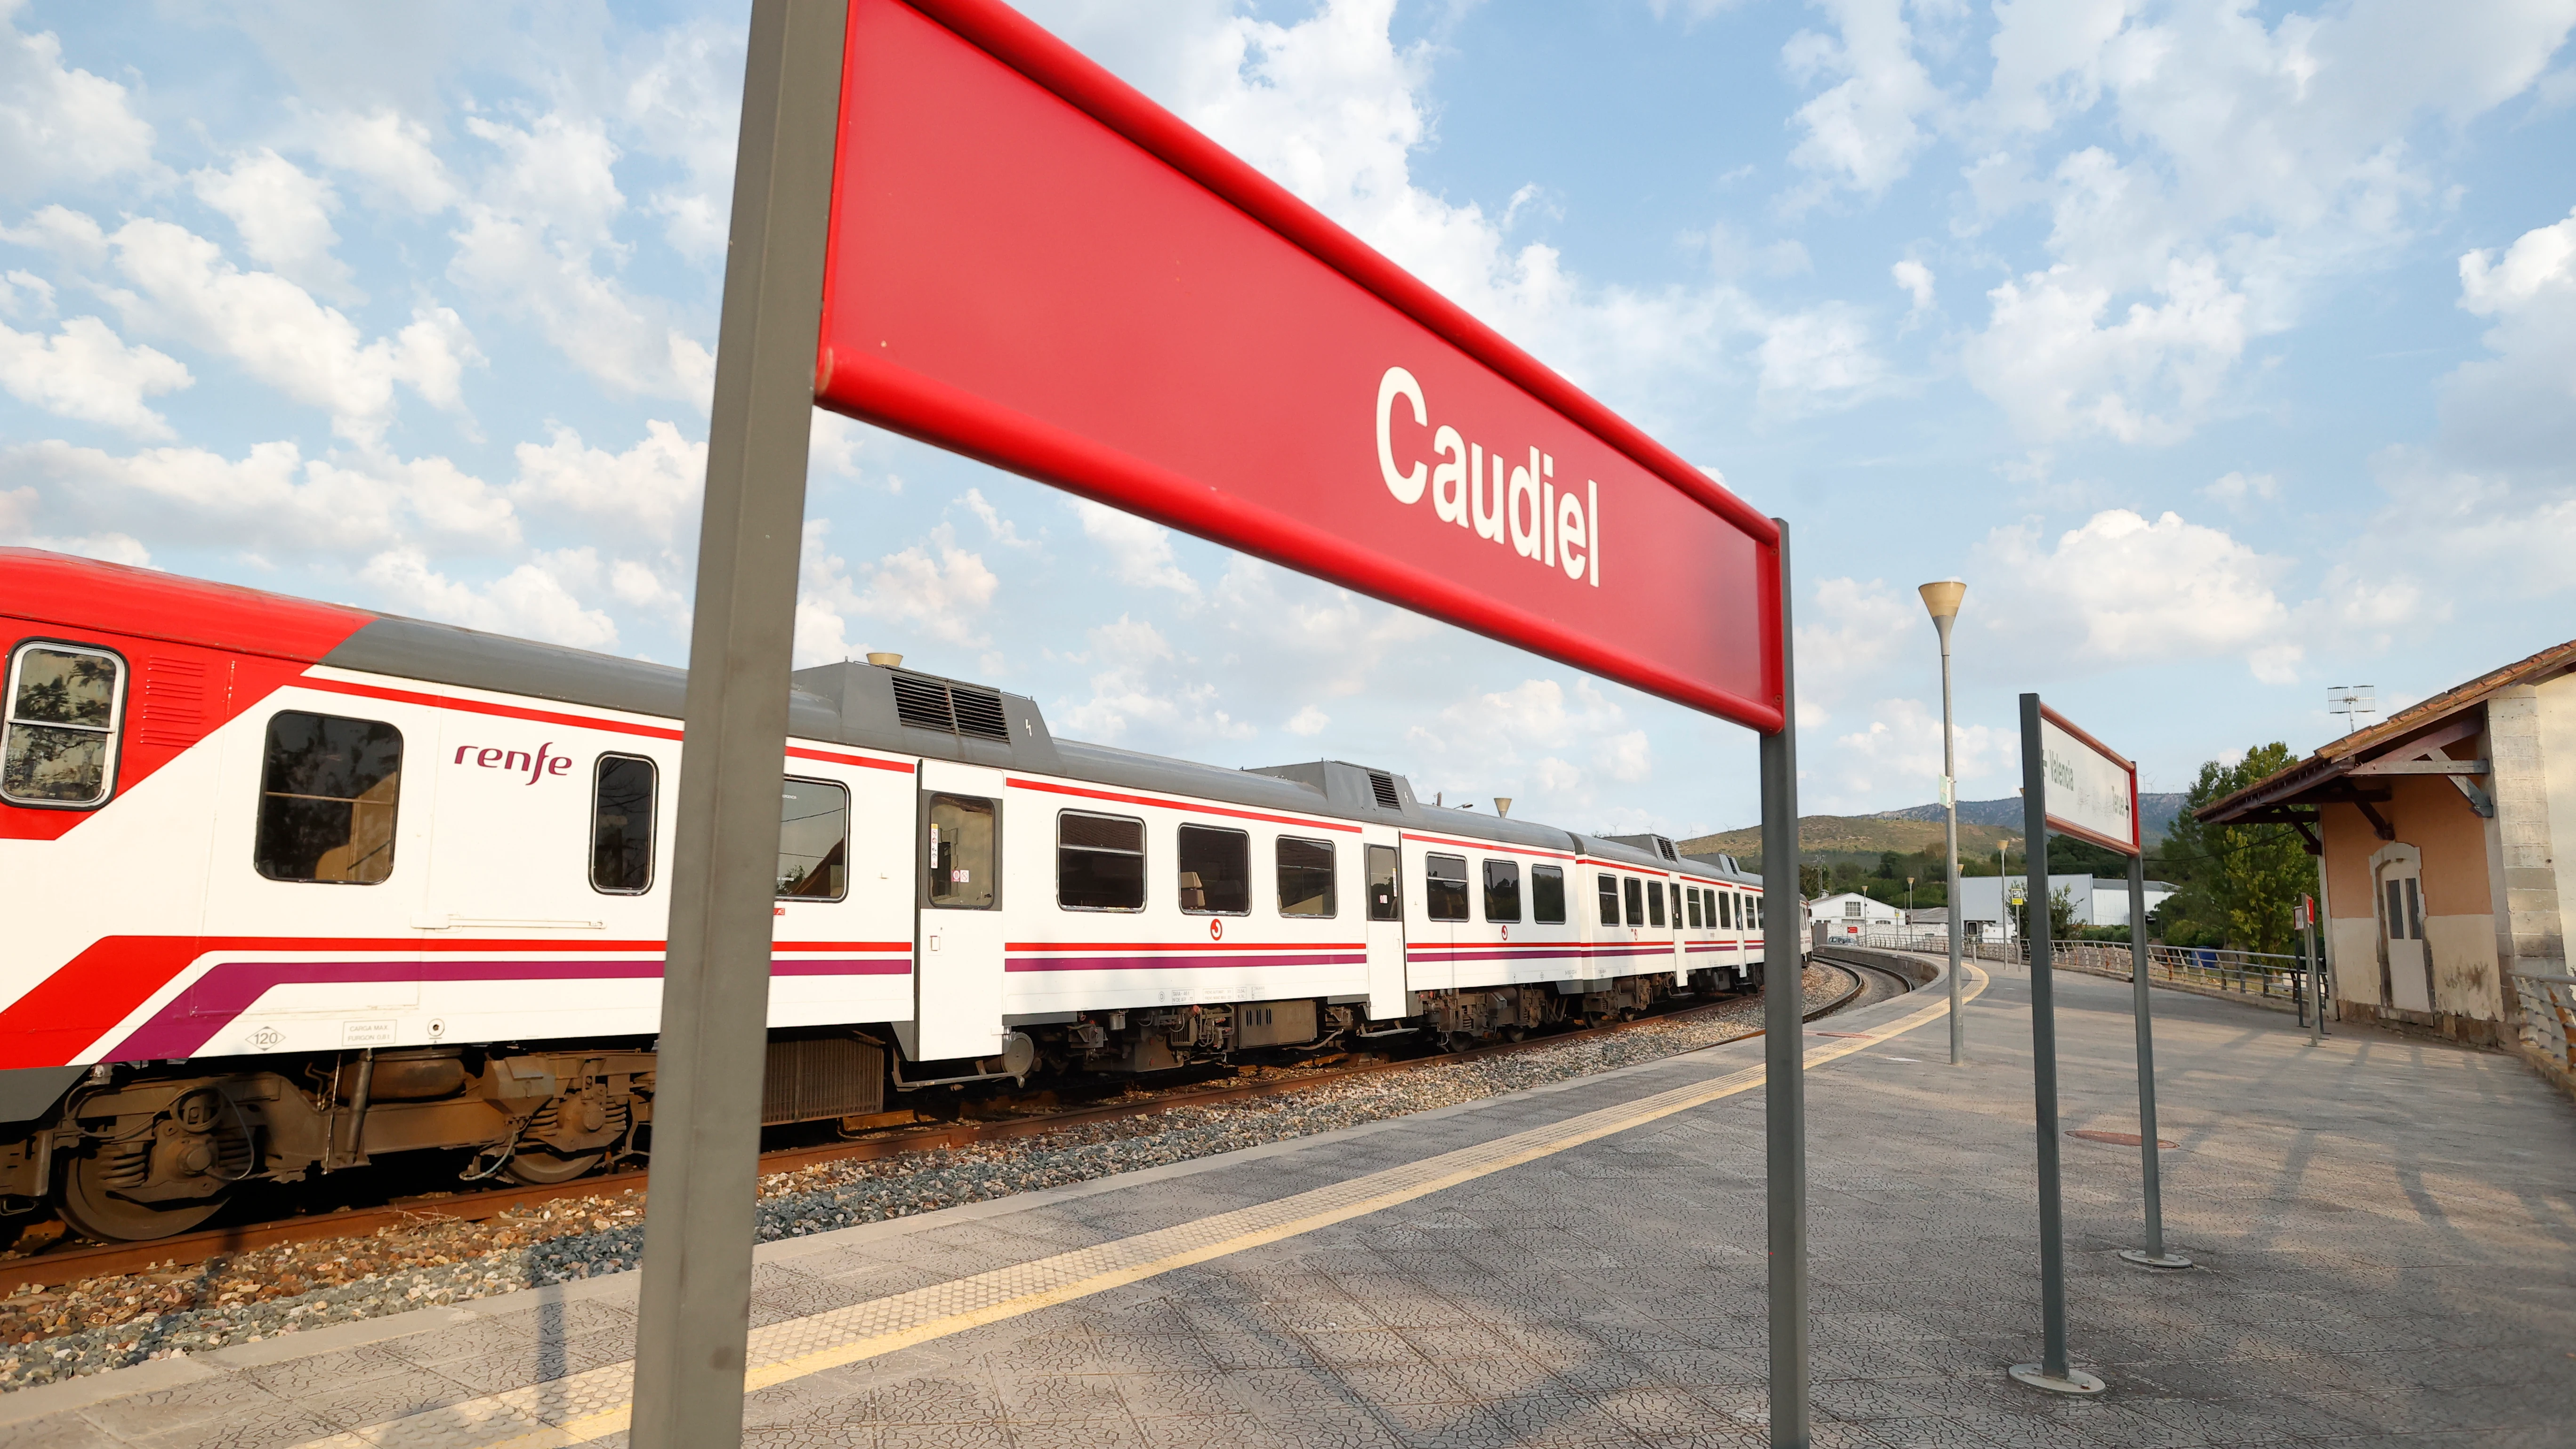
[[2251, 973]]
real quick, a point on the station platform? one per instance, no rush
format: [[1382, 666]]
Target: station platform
[[2385, 1234]]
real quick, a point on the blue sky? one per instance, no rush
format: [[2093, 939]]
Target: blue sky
[[2228, 351]]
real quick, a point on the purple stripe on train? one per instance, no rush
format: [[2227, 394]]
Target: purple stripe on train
[[227, 989], [1198, 961]]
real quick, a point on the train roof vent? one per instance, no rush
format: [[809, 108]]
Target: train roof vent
[[924, 702], [1665, 848], [979, 713], [1382, 785]]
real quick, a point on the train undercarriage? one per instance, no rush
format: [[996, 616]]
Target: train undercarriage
[[139, 1151]]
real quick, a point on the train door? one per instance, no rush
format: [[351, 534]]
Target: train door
[[1681, 929], [2401, 924], [957, 954], [1383, 863]]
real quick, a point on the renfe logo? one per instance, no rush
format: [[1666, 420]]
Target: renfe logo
[[1556, 530], [538, 766]]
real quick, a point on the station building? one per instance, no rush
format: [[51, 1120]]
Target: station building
[[2096, 902], [2446, 842], [1849, 913]]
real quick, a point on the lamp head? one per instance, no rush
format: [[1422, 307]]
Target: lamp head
[[1942, 597]]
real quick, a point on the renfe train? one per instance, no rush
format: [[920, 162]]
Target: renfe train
[[291, 887]]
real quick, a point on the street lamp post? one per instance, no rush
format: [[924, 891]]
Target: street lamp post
[[1942, 599]]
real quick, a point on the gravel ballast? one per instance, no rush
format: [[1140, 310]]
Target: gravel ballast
[[109, 1322]]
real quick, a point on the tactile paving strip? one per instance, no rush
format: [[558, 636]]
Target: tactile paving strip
[[593, 1405]]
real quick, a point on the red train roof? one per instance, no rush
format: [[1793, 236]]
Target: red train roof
[[59, 588]]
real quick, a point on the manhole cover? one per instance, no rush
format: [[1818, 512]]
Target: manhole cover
[[2116, 1139]]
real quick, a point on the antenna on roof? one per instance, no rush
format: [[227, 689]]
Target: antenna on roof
[[2353, 702]]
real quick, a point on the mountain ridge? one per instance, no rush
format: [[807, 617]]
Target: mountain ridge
[[1983, 826]]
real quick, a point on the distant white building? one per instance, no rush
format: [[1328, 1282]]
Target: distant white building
[[2096, 902], [1850, 913]]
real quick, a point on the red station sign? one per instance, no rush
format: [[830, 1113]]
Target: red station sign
[[1033, 264]]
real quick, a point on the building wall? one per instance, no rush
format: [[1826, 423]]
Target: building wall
[[2535, 741], [2460, 906]]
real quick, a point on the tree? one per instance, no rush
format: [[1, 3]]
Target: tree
[[2238, 882]]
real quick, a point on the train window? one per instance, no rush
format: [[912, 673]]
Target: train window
[[813, 840], [1502, 890], [965, 862], [1216, 871], [1727, 917], [1386, 899], [1444, 887], [1609, 898], [63, 707], [1636, 901], [1305, 877], [1756, 903], [1690, 895], [1655, 902], [621, 825], [1547, 895], [1099, 862], [326, 799]]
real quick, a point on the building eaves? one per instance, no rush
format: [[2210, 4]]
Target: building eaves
[[2334, 761]]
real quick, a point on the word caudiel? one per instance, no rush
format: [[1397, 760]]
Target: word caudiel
[[1553, 529]]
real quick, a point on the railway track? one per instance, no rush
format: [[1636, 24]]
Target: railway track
[[59, 1266]]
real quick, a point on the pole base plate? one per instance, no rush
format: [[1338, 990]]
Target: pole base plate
[[2077, 1382], [2145, 1259]]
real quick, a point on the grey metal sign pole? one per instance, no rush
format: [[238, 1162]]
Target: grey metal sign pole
[[2316, 977], [1784, 1049], [2154, 1254], [2052, 1372], [695, 1312]]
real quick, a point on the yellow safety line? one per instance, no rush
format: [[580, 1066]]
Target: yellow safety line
[[1481, 1160]]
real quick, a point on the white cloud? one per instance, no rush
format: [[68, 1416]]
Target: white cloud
[[59, 123], [650, 493], [390, 154], [270, 499], [682, 99], [1861, 133], [283, 215], [1309, 722], [284, 338], [1137, 551], [2240, 489], [2121, 590], [535, 235], [1916, 279], [2057, 370], [2515, 409], [84, 372], [1549, 747], [1849, 634], [531, 601], [928, 593], [1897, 755], [2255, 160], [1817, 360]]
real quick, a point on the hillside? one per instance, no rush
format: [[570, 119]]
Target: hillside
[[2155, 811], [1820, 835], [1983, 824]]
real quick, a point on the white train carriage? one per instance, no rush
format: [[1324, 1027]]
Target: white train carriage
[[294, 887]]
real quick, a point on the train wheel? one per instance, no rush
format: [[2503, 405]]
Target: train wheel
[[99, 1211], [544, 1169]]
